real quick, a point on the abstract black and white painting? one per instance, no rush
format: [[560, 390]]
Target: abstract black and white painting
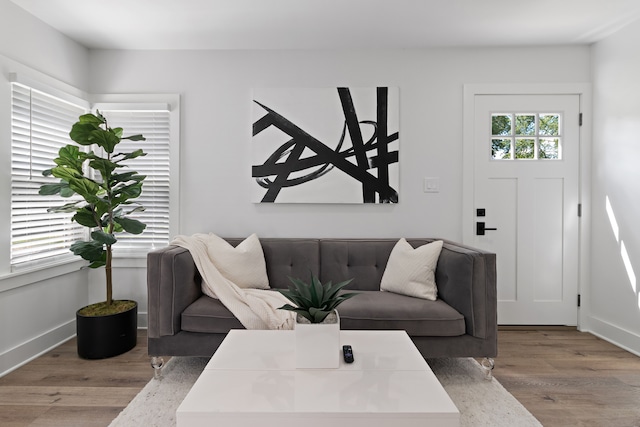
[[325, 145]]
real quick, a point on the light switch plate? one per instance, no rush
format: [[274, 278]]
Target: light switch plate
[[431, 185]]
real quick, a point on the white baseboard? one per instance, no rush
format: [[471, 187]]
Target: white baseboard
[[142, 320], [18, 356], [29, 350], [616, 335]]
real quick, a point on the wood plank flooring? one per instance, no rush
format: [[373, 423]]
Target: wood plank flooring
[[562, 376], [60, 389], [569, 378]]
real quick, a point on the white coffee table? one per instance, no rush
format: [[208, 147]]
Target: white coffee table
[[252, 381]]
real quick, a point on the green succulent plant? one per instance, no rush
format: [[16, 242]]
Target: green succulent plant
[[314, 300]]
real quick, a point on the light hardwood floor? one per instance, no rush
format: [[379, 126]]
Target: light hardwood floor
[[562, 376], [569, 378]]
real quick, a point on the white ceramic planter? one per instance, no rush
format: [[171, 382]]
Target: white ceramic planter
[[318, 345]]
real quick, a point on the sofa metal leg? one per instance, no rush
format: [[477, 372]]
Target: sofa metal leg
[[157, 363], [487, 365]]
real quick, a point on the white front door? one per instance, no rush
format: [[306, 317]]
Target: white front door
[[526, 159]]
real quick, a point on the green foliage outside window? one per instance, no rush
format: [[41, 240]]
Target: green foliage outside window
[[525, 135]]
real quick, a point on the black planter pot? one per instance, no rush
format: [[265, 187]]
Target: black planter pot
[[100, 337]]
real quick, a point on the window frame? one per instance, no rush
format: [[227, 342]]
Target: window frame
[[170, 102], [536, 136], [91, 102], [42, 101]]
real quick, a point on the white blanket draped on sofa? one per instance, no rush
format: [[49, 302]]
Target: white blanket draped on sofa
[[254, 308]]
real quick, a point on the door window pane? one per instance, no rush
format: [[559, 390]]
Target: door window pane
[[535, 136], [549, 124], [501, 124], [501, 148], [525, 148], [525, 124], [549, 148]]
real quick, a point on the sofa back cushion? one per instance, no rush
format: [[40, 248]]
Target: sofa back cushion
[[297, 258], [364, 260]]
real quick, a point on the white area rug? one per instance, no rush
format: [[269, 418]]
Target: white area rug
[[480, 402]]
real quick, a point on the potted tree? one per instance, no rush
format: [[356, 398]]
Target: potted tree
[[317, 326], [107, 192]]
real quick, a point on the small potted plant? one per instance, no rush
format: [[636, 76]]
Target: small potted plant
[[317, 327], [107, 192]]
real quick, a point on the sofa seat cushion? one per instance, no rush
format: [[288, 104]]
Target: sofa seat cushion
[[208, 315], [387, 310], [369, 310]]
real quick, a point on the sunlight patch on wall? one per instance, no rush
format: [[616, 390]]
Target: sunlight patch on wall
[[623, 249], [612, 220], [627, 264]]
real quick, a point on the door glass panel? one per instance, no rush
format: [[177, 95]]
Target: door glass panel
[[501, 124], [536, 136], [525, 124], [549, 124], [501, 148], [525, 148], [549, 148]]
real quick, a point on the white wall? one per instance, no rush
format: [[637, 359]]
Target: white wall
[[37, 309], [216, 95], [29, 41], [216, 88], [37, 312], [614, 303]]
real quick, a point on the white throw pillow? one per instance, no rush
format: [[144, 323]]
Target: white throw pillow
[[411, 271], [244, 265]]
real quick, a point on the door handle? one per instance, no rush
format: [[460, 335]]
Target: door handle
[[480, 228]]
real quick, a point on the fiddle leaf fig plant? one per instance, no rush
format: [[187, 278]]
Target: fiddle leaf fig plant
[[314, 300], [106, 187]]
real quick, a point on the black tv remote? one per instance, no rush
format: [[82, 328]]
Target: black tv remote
[[347, 352]]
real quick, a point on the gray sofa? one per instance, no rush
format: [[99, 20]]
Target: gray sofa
[[460, 323]]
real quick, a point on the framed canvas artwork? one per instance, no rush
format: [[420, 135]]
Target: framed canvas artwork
[[325, 145]]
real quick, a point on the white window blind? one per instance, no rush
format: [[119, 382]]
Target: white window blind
[[40, 125], [154, 125]]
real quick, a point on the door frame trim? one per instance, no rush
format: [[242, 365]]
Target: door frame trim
[[583, 90]]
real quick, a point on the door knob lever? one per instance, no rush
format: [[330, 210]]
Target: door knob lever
[[481, 228]]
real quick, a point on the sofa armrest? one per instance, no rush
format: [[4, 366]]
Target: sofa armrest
[[466, 279], [173, 283]]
